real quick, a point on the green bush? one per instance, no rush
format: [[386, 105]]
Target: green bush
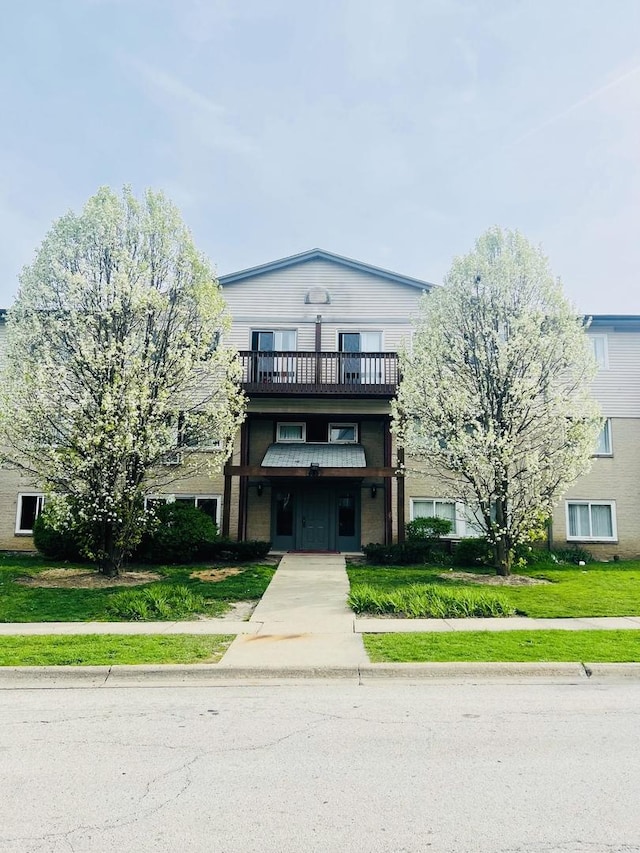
[[181, 534], [230, 551], [473, 552], [430, 527], [408, 553], [428, 601], [572, 555], [55, 544], [155, 602]]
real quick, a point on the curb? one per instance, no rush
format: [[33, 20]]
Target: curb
[[210, 675]]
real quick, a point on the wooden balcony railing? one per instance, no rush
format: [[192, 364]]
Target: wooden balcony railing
[[365, 374]]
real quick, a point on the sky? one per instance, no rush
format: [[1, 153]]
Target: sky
[[390, 131]]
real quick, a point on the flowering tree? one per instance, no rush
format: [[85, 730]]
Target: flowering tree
[[116, 369], [495, 394]]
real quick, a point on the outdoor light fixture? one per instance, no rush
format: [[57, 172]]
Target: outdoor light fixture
[[314, 469], [259, 489], [374, 490]]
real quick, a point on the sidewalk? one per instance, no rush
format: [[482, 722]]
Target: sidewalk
[[303, 630]]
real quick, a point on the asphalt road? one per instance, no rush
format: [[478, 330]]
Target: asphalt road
[[332, 767]]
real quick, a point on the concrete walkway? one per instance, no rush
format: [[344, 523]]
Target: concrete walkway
[[302, 619]]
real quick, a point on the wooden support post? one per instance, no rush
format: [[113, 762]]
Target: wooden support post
[[401, 519], [244, 483]]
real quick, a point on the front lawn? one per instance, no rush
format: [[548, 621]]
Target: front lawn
[[41, 604], [111, 649], [505, 646], [597, 589]]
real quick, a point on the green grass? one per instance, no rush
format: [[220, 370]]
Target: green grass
[[428, 601], [598, 589], [39, 604], [107, 649], [590, 646]]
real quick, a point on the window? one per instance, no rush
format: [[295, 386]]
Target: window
[[269, 366], [367, 369], [29, 508], [595, 520], [291, 432], [600, 347], [209, 504], [463, 520], [430, 508], [343, 433], [603, 448]]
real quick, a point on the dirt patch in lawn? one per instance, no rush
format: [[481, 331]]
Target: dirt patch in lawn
[[86, 579], [494, 580], [215, 575]]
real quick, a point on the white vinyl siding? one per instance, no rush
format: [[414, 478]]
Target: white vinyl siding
[[617, 388], [277, 300], [591, 521]]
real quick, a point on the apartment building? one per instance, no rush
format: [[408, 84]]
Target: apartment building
[[315, 466]]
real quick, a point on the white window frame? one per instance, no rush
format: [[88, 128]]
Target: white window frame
[[462, 527], [454, 534], [603, 363], [169, 499], [281, 440], [590, 503], [39, 504], [338, 425], [606, 435]]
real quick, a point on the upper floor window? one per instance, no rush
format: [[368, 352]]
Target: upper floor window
[[274, 340], [600, 347], [343, 433], [29, 508], [604, 447], [291, 432], [355, 366], [360, 341]]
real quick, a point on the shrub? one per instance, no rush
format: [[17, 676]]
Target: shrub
[[412, 553], [429, 601], [52, 539], [473, 552], [155, 602], [235, 552], [181, 534], [572, 555], [430, 527]]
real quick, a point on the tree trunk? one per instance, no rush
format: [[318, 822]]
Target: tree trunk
[[503, 558], [502, 549], [111, 561]]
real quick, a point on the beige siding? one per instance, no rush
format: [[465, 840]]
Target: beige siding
[[615, 478], [617, 387], [359, 301]]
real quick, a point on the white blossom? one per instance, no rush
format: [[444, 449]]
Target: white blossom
[[495, 394], [115, 358]]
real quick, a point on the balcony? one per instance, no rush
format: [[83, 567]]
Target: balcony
[[338, 374]]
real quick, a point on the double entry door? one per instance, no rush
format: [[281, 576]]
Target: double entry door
[[316, 517]]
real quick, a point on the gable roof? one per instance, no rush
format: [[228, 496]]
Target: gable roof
[[322, 255]]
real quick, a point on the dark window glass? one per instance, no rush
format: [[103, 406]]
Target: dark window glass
[[210, 507], [190, 501], [29, 511], [284, 514], [346, 515]]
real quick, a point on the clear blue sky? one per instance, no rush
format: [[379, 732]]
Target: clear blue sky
[[391, 131]]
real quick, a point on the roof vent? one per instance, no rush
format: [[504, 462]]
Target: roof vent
[[317, 296]]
